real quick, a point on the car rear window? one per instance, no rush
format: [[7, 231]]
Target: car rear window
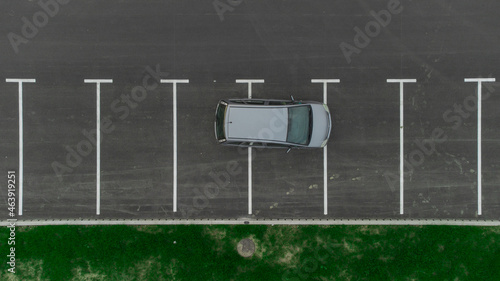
[[219, 120]]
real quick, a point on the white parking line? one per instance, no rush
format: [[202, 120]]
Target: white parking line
[[249, 82], [325, 185], [21, 137], [249, 180], [479, 152], [174, 85], [401, 139], [98, 138]]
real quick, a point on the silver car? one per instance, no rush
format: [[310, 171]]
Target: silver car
[[272, 123]]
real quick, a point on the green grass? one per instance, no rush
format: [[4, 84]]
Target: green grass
[[282, 253]]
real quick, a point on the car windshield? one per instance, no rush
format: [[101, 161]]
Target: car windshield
[[299, 123], [219, 120]]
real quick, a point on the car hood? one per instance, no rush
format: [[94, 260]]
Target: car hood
[[321, 125]]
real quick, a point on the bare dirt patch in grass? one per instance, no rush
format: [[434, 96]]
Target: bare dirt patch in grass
[[246, 247]]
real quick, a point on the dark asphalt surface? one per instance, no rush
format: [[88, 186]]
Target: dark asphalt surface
[[287, 43]]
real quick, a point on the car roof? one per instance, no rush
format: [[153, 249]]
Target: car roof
[[256, 122]]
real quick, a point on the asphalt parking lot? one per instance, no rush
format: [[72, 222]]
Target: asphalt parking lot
[[158, 157]]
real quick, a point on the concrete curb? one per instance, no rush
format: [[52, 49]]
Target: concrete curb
[[257, 222]]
